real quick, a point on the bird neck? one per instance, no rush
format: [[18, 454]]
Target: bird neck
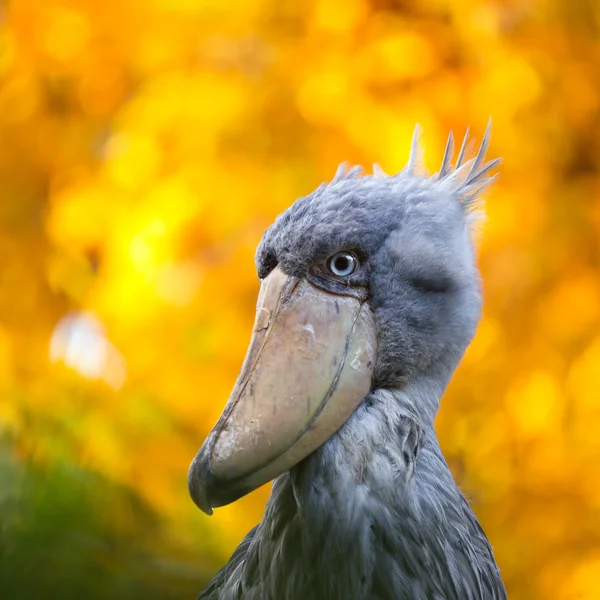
[[356, 503], [418, 397]]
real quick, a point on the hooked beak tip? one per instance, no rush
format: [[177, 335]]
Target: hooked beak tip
[[198, 485]]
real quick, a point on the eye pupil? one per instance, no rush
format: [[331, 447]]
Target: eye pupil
[[342, 264]]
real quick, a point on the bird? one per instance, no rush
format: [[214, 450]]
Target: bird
[[370, 294]]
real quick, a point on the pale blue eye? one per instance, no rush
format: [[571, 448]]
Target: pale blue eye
[[342, 264]]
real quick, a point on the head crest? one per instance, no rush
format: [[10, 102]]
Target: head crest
[[466, 179]]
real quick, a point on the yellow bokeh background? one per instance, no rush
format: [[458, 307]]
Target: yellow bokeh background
[[145, 147]]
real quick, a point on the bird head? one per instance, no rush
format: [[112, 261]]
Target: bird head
[[370, 281]]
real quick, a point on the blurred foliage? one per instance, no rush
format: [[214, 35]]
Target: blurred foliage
[[69, 534], [146, 146]]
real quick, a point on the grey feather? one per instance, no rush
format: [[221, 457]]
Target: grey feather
[[485, 142], [374, 513], [378, 171], [447, 160], [340, 173], [345, 171], [415, 157], [461, 152]]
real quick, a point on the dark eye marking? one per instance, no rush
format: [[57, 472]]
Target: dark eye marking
[[432, 285]]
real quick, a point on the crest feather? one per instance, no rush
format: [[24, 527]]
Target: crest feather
[[416, 153], [465, 180], [378, 172], [345, 171], [447, 160], [461, 152], [468, 179]]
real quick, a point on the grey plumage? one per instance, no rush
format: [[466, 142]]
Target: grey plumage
[[374, 513]]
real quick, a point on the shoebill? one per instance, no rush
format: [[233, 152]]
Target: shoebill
[[369, 296]]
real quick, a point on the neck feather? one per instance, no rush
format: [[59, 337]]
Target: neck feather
[[374, 513]]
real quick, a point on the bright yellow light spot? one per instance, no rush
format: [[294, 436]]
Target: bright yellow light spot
[[172, 199], [132, 160], [145, 246], [339, 16], [505, 75], [535, 404], [401, 56], [322, 96], [67, 35], [80, 217]]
